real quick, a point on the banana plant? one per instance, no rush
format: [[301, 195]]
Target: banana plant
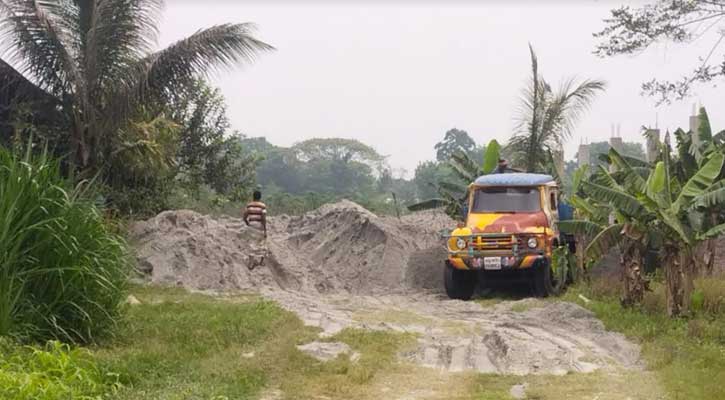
[[658, 210]]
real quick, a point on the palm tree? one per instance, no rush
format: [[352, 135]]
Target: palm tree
[[546, 118], [94, 59]]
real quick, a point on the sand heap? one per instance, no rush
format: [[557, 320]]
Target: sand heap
[[340, 247]]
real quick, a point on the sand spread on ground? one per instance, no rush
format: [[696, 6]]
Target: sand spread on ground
[[342, 266]]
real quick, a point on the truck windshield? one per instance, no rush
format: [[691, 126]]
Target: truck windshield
[[506, 199]]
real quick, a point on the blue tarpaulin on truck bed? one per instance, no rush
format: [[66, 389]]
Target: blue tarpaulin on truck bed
[[514, 179]]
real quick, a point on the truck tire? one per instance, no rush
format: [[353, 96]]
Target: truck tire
[[459, 283], [541, 279]]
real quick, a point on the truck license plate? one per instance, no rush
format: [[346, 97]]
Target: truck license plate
[[492, 263]]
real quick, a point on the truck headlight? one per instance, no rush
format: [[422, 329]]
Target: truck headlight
[[532, 243], [460, 243]]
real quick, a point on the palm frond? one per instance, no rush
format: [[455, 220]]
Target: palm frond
[[33, 39], [592, 212], [464, 160], [117, 34], [700, 182], [580, 227], [716, 231], [618, 199], [635, 162], [216, 47], [632, 181], [571, 102], [455, 189], [713, 196], [607, 239], [655, 187], [463, 166], [719, 138], [671, 220]]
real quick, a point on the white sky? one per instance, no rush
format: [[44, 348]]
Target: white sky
[[397, 75]]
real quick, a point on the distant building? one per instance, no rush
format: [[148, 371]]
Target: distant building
[[695, 126], [653, 138], [583, 155]]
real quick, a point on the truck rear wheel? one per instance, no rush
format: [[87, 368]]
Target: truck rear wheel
[[459, 283]]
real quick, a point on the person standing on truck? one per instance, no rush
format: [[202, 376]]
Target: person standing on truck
[[503, 167], [255, 213]]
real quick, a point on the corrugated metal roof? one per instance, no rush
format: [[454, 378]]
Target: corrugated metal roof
[[514, 179]]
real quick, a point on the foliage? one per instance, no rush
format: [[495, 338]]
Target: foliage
[[93, 61], [660, 211], [632, 30], [546, 118], [684, 353], [451, 193], [629, 149], [455, 140], [206, 155], [334, 166], [62, 270], [427, 176], [55, 372]]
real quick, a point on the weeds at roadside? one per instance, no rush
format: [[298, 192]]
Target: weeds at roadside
[[53, 372], [177, 344], [687, 354]]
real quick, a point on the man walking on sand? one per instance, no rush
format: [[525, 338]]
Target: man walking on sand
[[255, 213]]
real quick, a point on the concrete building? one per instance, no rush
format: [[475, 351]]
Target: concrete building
[[695, 125], [651, 150], [583, 155]]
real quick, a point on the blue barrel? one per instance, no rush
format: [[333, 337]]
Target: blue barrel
[[566, 211]]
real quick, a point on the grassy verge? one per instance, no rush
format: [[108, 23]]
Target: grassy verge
[[687, 355], [177, 345], [53, 372]]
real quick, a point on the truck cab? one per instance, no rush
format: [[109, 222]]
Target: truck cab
[[510, 227]]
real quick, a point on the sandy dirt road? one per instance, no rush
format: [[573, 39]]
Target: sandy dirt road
[[341, 266]]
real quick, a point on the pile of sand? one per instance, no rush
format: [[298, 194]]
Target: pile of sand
[[340, 247]]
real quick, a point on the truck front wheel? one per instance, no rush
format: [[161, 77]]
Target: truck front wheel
[[541, 279], [459, 283]]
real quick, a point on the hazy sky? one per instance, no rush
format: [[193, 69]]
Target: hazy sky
[[397, 75]]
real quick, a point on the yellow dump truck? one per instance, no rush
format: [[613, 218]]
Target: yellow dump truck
[[509, 231]]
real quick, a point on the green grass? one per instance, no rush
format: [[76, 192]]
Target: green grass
[[62, 270], [55, 372], [686, 354], [178, 345]]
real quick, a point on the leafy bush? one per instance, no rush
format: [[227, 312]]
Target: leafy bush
[[54, 373], [62, 270]]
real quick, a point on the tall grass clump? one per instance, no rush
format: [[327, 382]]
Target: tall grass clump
[[62, 271]]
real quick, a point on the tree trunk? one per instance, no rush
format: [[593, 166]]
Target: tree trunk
[[705, 257], [679, 266], [635, 285], [580, 256]]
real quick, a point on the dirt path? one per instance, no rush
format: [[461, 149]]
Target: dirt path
[[341, 266], [522, 337]]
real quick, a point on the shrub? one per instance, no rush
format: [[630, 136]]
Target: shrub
[[62, 271], [56, 372], [712, 292]]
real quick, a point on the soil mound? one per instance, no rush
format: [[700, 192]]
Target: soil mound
[[340, 247]]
